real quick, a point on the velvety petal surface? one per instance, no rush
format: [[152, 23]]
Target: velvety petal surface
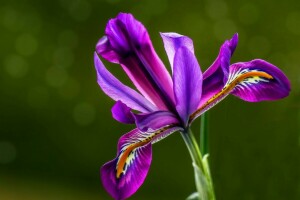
[[123, 176], [215, 77], [155, 120], [122, 113], [258, 88], [252, 81], [173, 41], [127, 42], [118, 91], [187, 78]]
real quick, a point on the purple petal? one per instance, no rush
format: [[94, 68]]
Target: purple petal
[[187, 78], [127, 42], [173, 41], [257, 88], [123, 176], [122, 113], [118, 91], [155, 120], [215, 77], [252, 81]]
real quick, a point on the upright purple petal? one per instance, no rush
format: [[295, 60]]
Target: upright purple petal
[[258, 88], [155, 120], [187, 78], [127, 42], [123, 176], [118, 91], [215, 77], [122, 113], [173, 41]]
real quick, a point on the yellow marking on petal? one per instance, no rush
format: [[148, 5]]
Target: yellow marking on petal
[[125, 155], [229, 87]]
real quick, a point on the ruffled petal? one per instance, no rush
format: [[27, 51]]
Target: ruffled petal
[[122, 113], [252, 81], [155, 120], [127, 42], [257, 88], [173, 41], [123, 176], [215, 77], [118, 91], [187, 78]]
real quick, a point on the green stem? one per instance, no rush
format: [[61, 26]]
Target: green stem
[[203, 179], [204, 134]]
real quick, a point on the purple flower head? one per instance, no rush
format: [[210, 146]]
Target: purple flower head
[[167, 103]]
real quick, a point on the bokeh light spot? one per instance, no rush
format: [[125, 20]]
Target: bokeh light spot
[[16, 66], [84, 114], [63, 57], [8, 152], [293, 23], [224, 29], [80, 10], [10, 19], [26, 44], [68, 38], [69, 89], [216, 9], [248, 13], [38, 97], [56, 76], [259, 46]]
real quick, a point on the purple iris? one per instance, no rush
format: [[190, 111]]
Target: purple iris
[[165, 103]]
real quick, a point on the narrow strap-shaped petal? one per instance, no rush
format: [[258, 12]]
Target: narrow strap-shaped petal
[[118, 91], [215, 77], [187, 78], [122, 113], [123, 176], [252, 81], [173, 41], [155, 120], [127, 42], [258, 88]]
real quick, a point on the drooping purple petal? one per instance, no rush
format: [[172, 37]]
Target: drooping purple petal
[[123, 176], [173, 41], [187, 78], [258, 88], [118, 91], [127, 42], [215, 77], [252, 81], [122, 113], [155, 120]]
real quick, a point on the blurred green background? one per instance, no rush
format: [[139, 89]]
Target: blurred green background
[[56, 128]]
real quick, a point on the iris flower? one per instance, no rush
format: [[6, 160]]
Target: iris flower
[[163, 103]]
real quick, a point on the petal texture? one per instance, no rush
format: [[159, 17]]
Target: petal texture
[[127, 42], [252, 81], [122, 113], [118, 91], [155, 120], [187, 78], [123, 176], [173, 41], [257, 88], [215, 77]]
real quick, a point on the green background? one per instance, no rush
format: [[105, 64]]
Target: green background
[[56, 128]]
